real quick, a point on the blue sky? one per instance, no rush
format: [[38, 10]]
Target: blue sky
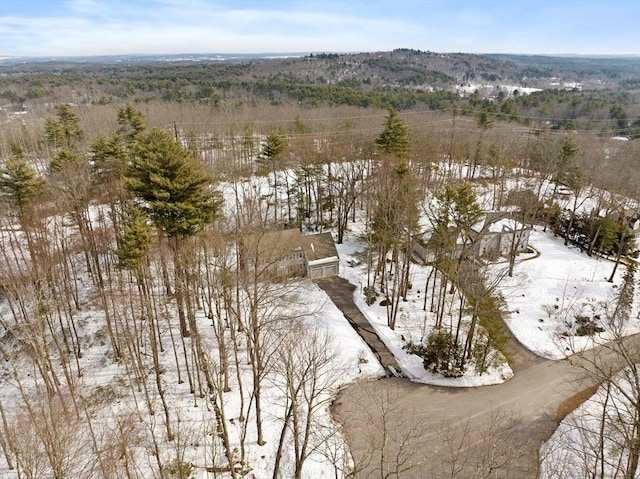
[[110, 27]]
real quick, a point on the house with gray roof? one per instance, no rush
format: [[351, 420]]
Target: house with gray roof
[[288, 253]]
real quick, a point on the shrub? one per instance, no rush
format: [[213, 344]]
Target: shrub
[[413, 348], [370, 295], [587, 326], [441, 354], [179, 469]]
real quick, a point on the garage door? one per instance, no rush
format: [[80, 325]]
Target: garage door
[[330, 269], [324, 270]]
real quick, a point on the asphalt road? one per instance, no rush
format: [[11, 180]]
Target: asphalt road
[[407, 430]]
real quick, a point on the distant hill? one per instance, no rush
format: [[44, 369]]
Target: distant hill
[[570, 93], [401, 67]]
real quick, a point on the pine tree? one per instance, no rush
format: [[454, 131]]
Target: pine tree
[[176, 195], [111, 154], [395, 217], [131, 123], [18, 181], [63, 131], [273, 149], [172, 185], [569, 175], [135, 241], [109, 160], [394, 138], [271, 159], [566, 170], [485, 123]]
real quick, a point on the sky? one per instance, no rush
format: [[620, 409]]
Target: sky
[[115, 27]]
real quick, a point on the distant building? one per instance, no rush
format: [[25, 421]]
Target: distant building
[[287, 253], [631, 217], [494, 235], [499, 234]]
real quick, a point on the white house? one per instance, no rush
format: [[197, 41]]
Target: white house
[[496, 234], [501, 236]]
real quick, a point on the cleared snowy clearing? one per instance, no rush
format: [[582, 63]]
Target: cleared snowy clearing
[[547, 291]]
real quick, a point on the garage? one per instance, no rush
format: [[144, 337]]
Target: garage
[[323, 268]]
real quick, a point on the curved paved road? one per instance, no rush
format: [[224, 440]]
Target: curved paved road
[[411, 431]]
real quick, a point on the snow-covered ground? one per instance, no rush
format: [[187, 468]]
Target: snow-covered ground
[[350, 360], [543, 297], [414, 322], [550, 288], [594, 437]]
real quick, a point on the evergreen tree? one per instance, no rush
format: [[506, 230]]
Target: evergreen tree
[[441, 354], [18, 181], [394, 138], [569, 175], [66, 159], [63, 131], [171, 183], [135, 241], [272, 150], [395, 215], [566, 170], [485, 122], [109, 159], [131, 123], [111, 154], [175, 193], [454, 213], [618, 113], [270, 158]]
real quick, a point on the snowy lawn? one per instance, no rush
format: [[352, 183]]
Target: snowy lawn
[[547, 292]]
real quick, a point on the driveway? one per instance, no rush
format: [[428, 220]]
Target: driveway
[[341, 293], [412, 430]]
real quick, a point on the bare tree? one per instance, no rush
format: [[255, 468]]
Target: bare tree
[[610, 432], [387, 438], [306, 374]]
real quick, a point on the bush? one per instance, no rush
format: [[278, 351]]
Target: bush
[[370, 295], [179, 469], [441, 354], [413, 348], [587, 326]]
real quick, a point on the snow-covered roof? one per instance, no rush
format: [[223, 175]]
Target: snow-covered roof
[[329, 259]]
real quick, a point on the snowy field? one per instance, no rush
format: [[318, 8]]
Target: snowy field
[[550, 288]]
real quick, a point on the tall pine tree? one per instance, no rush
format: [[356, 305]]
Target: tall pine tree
[[176, 194], [394, 138], [174, 189], [18, 181]]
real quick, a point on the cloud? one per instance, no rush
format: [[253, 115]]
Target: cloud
[[92, 27], [171, 28]]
